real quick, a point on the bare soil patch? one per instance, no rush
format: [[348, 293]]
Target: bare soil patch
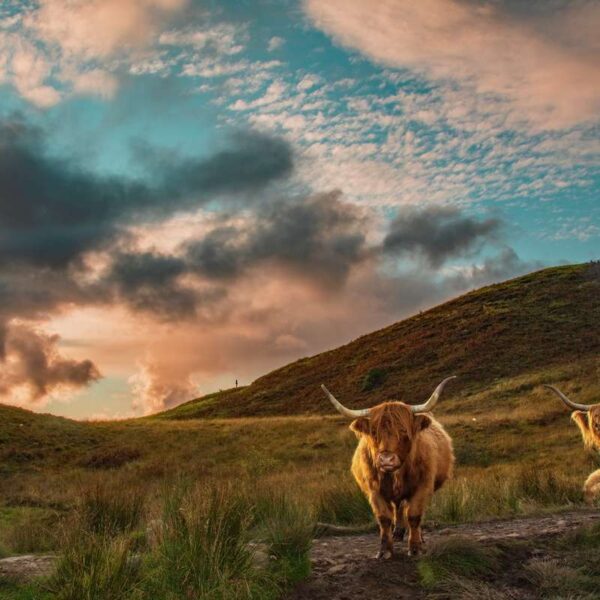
[[344, 568]]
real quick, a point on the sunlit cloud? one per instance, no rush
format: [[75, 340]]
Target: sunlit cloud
[[545, 63]]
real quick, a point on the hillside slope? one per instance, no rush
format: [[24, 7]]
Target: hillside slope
[[538, 321]]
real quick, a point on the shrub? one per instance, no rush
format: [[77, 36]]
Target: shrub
[[374, 378], [110, 459]]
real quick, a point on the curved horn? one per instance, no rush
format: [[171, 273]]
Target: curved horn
[[568, 402], [418, 408], [347, 412]]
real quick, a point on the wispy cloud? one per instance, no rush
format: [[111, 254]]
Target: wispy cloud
[[544, 62]]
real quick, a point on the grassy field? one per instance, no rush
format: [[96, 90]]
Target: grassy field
[[68, 486]]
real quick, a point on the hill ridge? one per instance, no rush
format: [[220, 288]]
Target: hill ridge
[[480, 336]]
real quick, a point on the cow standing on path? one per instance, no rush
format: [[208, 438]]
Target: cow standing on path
[[587, 418], [403, 456]]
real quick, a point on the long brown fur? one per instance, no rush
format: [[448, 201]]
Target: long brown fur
[[591, 487], [400, 498], [589, 426]]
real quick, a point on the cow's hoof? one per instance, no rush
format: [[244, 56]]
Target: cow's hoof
[[399, 533], [414, 551], [384, 555]]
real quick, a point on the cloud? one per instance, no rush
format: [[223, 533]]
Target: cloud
[[320, 237], [274, 318], [155, 387], [505, 265], [52, 211], [275, 43], [60, 47], [541, 57], [33, 368], [150, 282], [29, 70], [258, 279], [438, 234], [88, 29]]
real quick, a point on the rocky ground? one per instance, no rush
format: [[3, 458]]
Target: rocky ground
[[344, 567]]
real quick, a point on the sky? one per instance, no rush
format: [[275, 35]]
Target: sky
[[198, 192]]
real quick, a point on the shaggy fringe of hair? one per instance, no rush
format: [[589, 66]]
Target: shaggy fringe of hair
[[387, 419]]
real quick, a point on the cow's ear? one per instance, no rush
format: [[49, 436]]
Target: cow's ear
[[422, 422], [361, 426], [581, 420]]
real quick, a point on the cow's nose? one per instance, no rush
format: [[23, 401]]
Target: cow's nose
[[387, 459]]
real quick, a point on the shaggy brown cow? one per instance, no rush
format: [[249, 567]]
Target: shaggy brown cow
[[587, 418], [402, 457]]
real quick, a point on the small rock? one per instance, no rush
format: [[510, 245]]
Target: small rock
[[336, 569]]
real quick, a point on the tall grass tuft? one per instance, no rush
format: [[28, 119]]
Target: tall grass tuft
[[96, 567], [345, 505], [457, 557], [110, 510], [98, 561], [202, 549], [503, 495], [545, 487], [287, 528]]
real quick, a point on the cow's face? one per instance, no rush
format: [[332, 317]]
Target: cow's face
[[593, 417], [390, 430]]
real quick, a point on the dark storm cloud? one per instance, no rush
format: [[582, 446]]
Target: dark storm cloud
[[437, 234], [36, 364], [320, 237], [149, 282], [52, 211], [33, 293], [254, 160]]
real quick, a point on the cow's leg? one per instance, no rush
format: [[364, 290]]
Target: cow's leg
[[384, 513], [416, 508], [400, 524]]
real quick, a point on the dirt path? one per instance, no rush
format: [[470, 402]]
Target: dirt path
[[344, 567]]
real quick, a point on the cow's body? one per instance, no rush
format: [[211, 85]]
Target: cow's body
[[399, 498], [589, 425], [587, 418]]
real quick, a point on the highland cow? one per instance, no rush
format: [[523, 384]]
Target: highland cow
[[403, 456], [587, 418]]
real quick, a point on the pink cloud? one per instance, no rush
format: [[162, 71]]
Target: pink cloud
[[77, 43], [547, 65], [88, 29], [33, 368]]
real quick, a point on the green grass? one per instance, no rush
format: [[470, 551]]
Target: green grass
[[457, 557], [204, 546], [557, 568]]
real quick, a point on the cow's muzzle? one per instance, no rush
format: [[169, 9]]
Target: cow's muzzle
[[388, 462]]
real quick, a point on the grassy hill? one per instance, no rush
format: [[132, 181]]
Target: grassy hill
[[538, 321]]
